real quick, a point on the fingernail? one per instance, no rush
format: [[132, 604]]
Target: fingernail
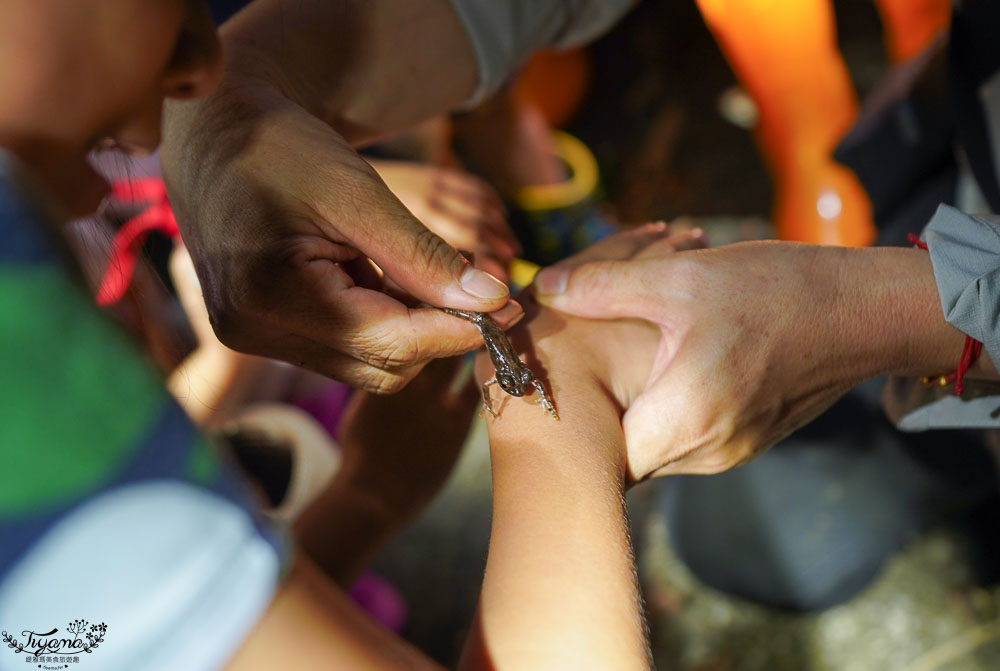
[[507, 319], [482, 285], [551, 281]]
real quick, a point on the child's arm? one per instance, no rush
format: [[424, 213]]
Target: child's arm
[[397, 451], [312, 624], [213, 382], [560, 589]]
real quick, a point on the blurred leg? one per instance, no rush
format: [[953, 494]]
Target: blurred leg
[[785, 55], [910, 25]]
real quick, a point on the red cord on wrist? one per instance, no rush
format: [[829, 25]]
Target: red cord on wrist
[[127, 244], [914, 239], [970, 350]]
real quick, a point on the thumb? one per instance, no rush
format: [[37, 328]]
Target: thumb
[[599, 290], [430, 269]]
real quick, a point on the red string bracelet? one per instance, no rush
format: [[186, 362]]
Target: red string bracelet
[[128, 240], [970, 350]]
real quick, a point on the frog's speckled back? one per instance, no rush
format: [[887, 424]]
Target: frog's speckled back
[[512, 375]]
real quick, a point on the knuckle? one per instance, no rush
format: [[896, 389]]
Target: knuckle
[[228, 323], [387, 352], [717, 461], [595, 276], [383, 383], [727, 443], [431, 251], [684, 276], [232, 301]]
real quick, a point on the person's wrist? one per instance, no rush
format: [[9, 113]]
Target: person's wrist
[[890, 313]]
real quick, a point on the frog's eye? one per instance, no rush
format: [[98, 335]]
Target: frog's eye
[[505, 381]]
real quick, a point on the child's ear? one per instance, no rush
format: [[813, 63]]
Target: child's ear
[[195, 67]]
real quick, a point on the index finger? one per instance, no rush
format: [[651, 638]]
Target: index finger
[[604, 289]]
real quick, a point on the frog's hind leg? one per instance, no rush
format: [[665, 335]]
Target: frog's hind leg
[[487, 404], [543, 398]]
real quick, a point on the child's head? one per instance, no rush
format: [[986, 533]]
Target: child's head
[[78, 74]]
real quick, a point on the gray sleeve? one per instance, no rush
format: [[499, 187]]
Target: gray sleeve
[[505, 32], [965, 253]]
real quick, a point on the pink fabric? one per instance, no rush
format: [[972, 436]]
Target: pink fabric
[[380, 600], [326, 406]]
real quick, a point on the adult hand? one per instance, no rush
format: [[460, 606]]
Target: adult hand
[[461, 208], [756, 339], [281, 219]]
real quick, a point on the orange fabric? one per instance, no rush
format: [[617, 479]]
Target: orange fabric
[[555, 82], [785, 54], [911, 25]]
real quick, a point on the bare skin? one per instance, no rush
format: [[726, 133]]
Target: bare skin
[[560, 589], [559, 517], [309, 615], [758, 338], [461, 208], [281, 215], [114, 101], [395, 451]]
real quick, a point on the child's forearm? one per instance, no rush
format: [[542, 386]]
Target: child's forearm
[[311, 624], [397, 451], [560, 589], [213, 383]]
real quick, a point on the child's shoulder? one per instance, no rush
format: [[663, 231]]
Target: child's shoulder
[[83, 410]]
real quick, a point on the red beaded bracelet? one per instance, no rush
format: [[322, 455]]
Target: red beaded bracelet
[[970, 350]]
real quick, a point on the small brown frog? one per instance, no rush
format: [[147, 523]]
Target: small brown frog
[[511, 373]]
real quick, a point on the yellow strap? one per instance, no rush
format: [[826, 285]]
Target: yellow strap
[[581, 183], [522, 272]]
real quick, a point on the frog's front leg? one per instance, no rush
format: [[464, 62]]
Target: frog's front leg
[[487, 404], [544, 399]]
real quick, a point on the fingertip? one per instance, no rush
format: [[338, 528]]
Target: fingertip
[[597, 290], [701, 237], [508, 315], [691, 238], [550, 282]]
